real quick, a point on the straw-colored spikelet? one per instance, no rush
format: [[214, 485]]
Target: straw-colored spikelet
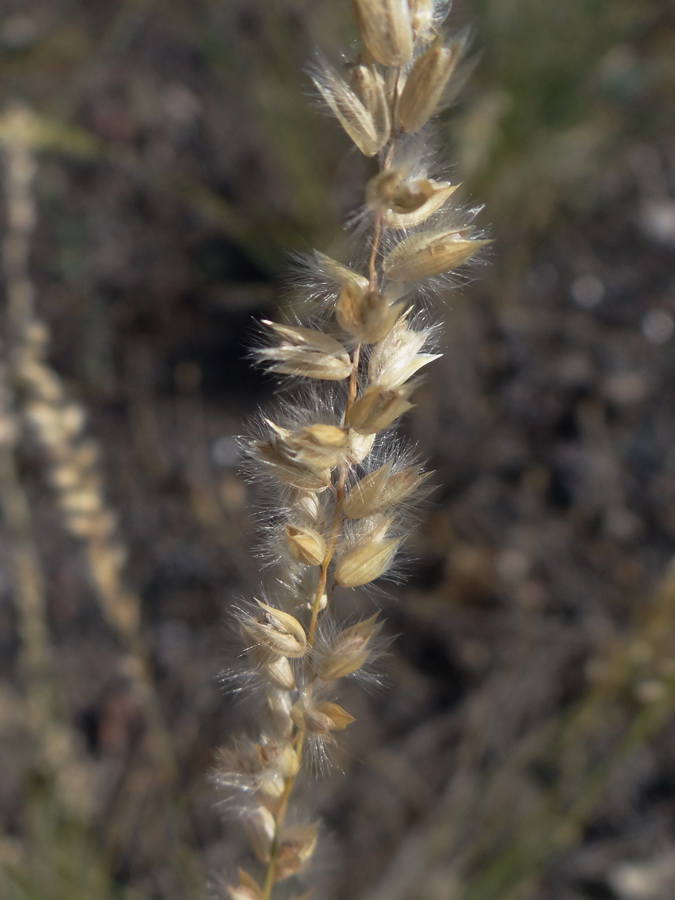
[[342, 485]]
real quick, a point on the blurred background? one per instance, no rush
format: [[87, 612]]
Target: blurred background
[[523, 748]]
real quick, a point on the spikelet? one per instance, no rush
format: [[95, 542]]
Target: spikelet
[[356, 118], [406, 203], [305, 544], [425, 84], [429, 253], [378, 407], [277, 631], [307, 352], [338, 485], [247, 888], [348, 651], [366, 315], [365, 563], [386, 30], [380, 490]]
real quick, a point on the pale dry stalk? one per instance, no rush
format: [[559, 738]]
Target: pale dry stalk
[[343, 483], [53, 743], [36, 399]]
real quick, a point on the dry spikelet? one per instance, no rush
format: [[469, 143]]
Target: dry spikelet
[[360, 446], [277, 631], [320, 719], [365, 563], [364, 499], [340, 273], [315, 446], [305, 544], [349, 651], [279, 711], [423, 18], [386, 29], [275, 669], [288, 472], [406, 204], [281, 756], [366, 315], [424, 86], [308, 718], [246, 889], [259, 828], [295, 850], [379, 407], [350, 112], [397, 357], [380, 490], [306, 352], [422, 255], [368, 84], [339, 716]]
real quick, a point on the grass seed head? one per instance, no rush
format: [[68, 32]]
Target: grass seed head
[[343, 483]]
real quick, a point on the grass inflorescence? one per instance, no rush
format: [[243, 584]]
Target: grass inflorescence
[[339, 480]]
